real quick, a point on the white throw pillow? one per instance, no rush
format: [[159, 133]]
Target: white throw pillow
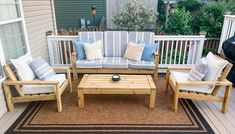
[[199, 70], [134, 51], [22, 67], [215, 67], [93, 51]]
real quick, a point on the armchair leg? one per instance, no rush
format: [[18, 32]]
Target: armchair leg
[[176, 101], [226, 99], [176, 98], [8, 95], [58, 99], [70, 83]]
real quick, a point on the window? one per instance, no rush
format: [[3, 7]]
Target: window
[[12, 32]]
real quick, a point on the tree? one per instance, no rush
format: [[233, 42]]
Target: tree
[[190, 5], [135, 16], [180, 22]]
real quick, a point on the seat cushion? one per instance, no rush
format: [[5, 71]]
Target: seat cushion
[[89, 63], [142, 64], [177, 76], [115, 43], [36, 89], [115, 62]]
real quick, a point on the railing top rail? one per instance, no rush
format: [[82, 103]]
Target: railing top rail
[[62, 37], [180, 37], [229, 16]]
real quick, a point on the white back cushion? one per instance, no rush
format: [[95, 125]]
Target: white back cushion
[[138, 37], [134, 51], [93, 51], [115, 43], [22, 67], [215, 67]]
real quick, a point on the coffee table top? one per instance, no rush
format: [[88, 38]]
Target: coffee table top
[[104, 81]]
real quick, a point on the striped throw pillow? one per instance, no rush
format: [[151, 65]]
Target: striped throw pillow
[[41, 68], [199, 70]]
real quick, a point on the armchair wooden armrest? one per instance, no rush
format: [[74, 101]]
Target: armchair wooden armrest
[[178, 68], [211, 83], [14, 83], [156, 53]]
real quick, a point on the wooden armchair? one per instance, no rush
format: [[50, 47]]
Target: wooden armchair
[[187, 94], [23, 97]]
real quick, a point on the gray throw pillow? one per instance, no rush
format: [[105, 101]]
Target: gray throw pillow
[[199, 70], [41, 68]]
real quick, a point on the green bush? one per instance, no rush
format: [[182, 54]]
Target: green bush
[[180, 22], [211, 19], [135, 16], [190, 5]]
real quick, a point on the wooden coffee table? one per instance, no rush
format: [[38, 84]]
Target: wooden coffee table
[[129, 84]]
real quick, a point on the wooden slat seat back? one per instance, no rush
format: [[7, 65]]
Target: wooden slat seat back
[[10, 74]]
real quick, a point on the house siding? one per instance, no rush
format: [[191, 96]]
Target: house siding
[[3, 107], [69, 12], [39, 19]]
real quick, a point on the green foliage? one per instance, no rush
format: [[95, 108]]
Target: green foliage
[[211, 19], [180, 22], [190, 5], [231, 6], [135, 16], [207, 50]]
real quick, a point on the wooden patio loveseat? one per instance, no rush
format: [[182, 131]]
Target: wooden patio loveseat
[[114, 46]]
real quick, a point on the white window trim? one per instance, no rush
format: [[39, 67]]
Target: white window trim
[[22, 20]]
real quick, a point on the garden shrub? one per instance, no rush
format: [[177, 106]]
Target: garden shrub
[[190, 5], [211, 19], [135, 16], [180, 22]]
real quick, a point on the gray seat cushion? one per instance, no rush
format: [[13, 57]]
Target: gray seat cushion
[[146, 37], [115, 62], [89, 64], [115, 43], [142, 64], [39, 89]]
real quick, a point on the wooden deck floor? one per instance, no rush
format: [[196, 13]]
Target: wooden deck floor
[[220, 123]]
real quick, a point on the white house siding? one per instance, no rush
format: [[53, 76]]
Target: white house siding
[[114, 7], [3, 107], [39, 19]]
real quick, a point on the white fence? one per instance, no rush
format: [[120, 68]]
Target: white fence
[[174, 50], [228, 30]]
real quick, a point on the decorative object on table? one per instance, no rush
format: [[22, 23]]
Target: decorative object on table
[[93, 12], [116, 78]]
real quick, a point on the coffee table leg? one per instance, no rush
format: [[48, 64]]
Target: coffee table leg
[[152, 98], [80, 98]]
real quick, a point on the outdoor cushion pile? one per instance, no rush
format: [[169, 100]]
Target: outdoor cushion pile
[[115, 49]]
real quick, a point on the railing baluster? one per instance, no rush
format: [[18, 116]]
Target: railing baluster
[[176, 50], [162, 52], [180, 51], [167, 47], [189, 52], [61, 53], [194, 52], [172, 47], [185, 48]]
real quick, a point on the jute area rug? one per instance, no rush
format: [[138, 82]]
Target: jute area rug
[[111, 114]]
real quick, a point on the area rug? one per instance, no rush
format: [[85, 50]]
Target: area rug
[[117, 114]]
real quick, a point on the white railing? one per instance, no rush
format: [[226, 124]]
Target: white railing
[[60, 49], [179, 50], [228, 30], [174, 50]]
